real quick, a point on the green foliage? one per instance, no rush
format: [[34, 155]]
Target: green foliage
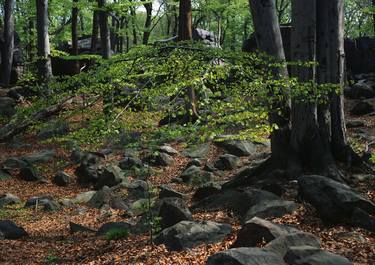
[[117, 233], [51, 258]]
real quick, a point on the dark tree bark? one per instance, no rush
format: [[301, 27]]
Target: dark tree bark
[[113, 34], [104, 30], [147, 32], [8, 46], [133, 15], [44, 60], [308, 150], [95, 31], [331, 59], [269, 41], [185, 31]]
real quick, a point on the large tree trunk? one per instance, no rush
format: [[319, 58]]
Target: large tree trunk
[[269, 40], [147, 32], [104, 30], [331, 71], [44, 60], [305, 134], [185, 31], [8, 46], [95, 31]]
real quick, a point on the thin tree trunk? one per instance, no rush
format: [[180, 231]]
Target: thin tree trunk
[[44, 60], [185, 31], [95, 31], [8, 48], [113, 35], [134, 25], [147, 32], [104, 30], [75, 50], [75, 35]]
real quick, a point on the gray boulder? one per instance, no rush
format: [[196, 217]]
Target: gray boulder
[[274, 208], [10, 230], [362, 219], [188, 234], [7, 106], [30, 173], [363, 107], [106, 196], [258, 230], [245, 256], [53, 131], [8, 199], [199, 151], [166, 191], [361, 89], [159, 159], [14, 163], [110, 176], [168, 150], [4, 174], [227, 162], [130, 162], [44, 156], [196, 176], [307, 255], [107, 227], [283, 243], [172, 211], [238, 147], [333, 200], [237, 200], [77, 228], [47, 202]]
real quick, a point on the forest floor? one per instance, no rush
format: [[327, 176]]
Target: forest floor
[[50, 242]]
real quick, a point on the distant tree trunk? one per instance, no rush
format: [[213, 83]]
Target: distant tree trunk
[[269, 40], [146, 33], [104, 30], [134, 25], [95, 31], [373, 17], [185, 31], [30, 43], [44, 60], [175, 20], [8, 46], [113, 35], [75, 34], [82, 23]]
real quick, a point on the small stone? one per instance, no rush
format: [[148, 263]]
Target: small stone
[[61, 179], [9, 199], [168, 150]]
